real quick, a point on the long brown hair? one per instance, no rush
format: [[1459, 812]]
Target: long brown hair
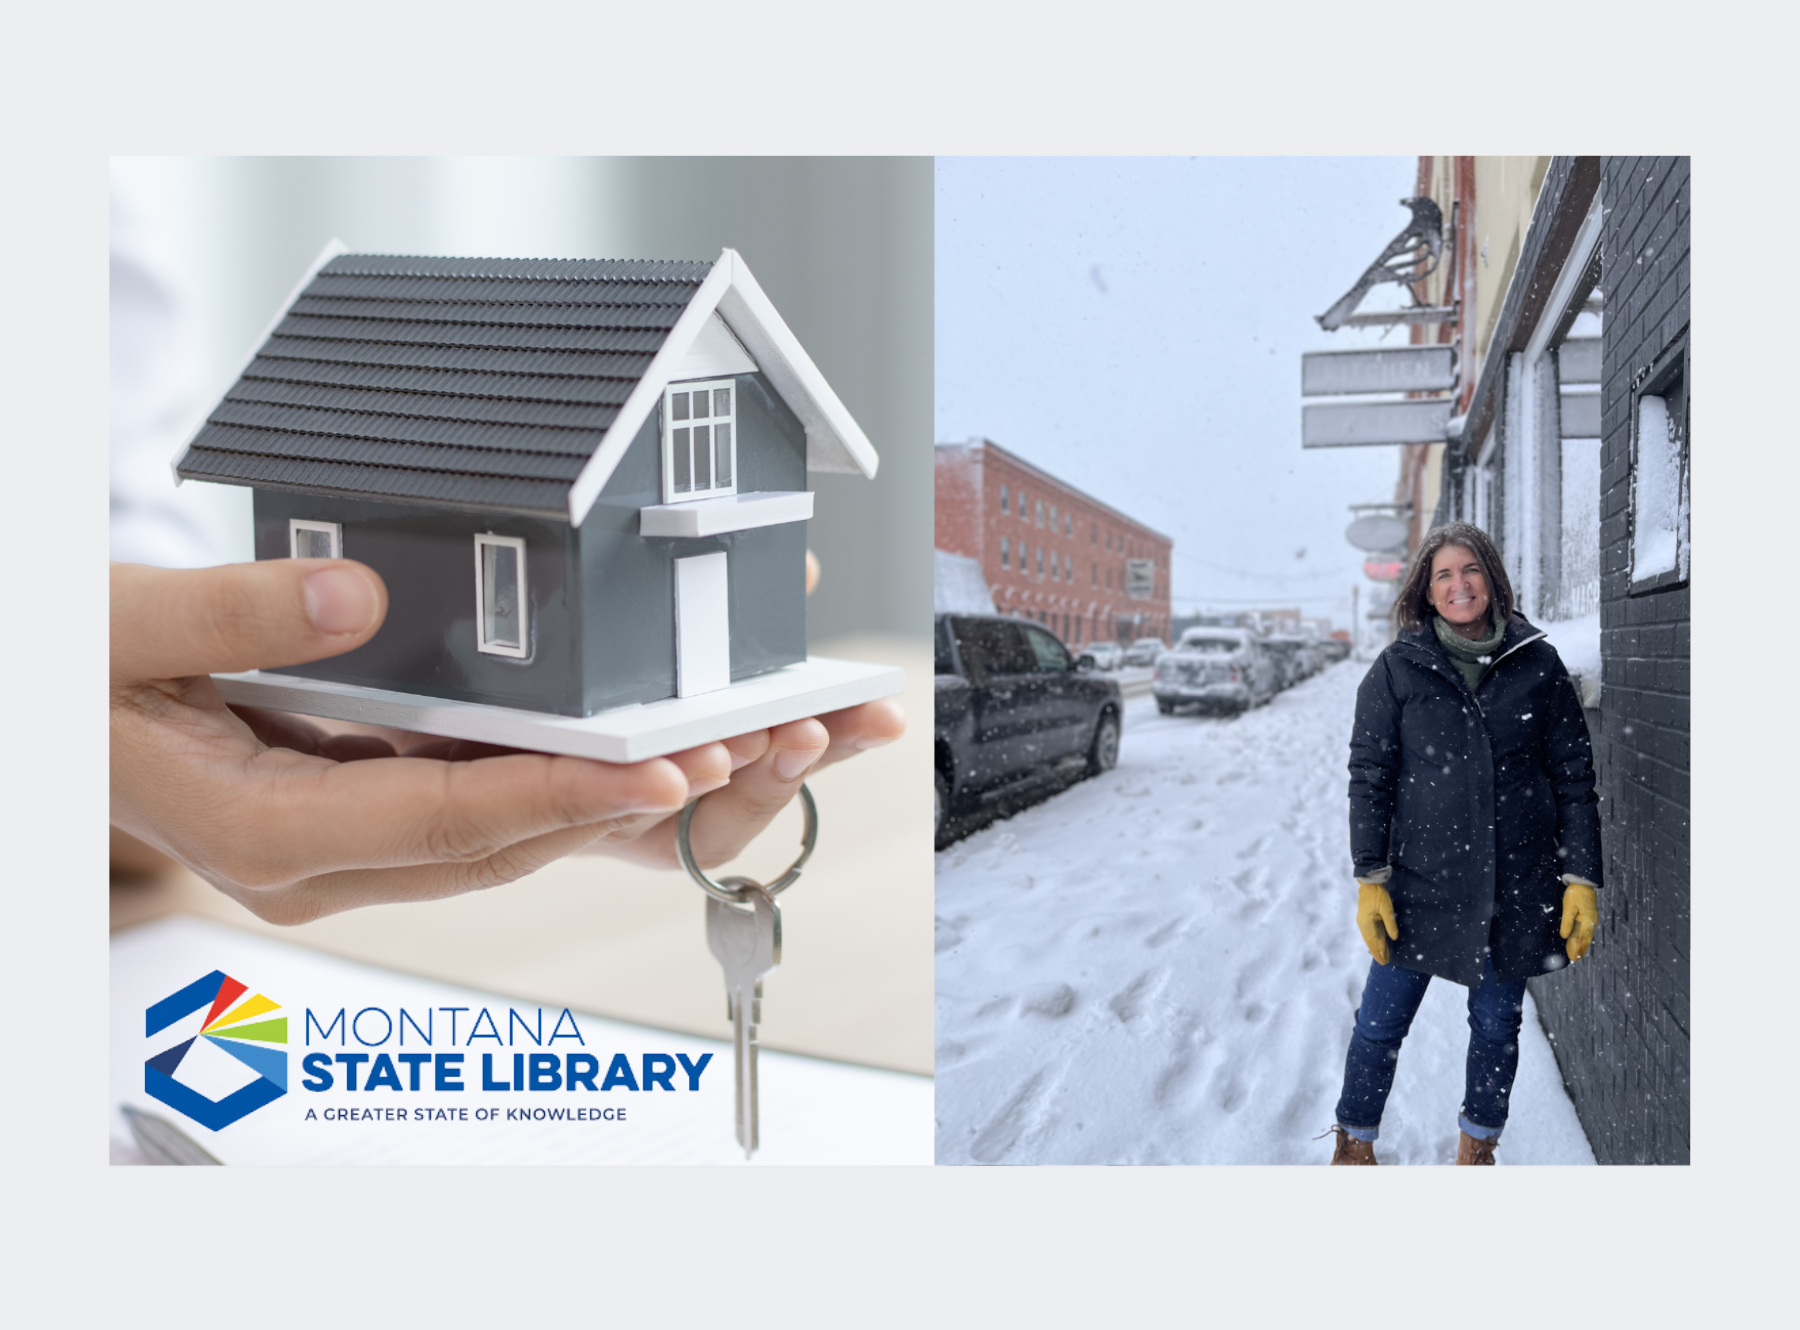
[[1412, 607]]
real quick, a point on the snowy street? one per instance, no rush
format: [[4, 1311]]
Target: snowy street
[[1161, 965]]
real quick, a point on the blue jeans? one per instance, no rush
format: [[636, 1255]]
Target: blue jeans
[[1391, 997]]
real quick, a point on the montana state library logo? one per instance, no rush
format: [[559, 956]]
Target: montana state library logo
[[261, 1045]]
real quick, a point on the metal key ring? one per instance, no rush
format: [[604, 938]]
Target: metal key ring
[[734, 895]]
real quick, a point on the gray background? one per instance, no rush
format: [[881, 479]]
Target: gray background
[[843, 246]]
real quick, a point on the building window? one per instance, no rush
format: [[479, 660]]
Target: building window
[[1040, 512], [1053, 517], [1021, 504], [1094, 535], [1095, 579], [1003, 500], [699, 447], [1068, 524], [1659, 480], [1005, 554], [315, 540], [500, 600], [1068, 568], [1040, 560]]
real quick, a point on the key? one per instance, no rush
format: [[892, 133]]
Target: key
[[746, 940]]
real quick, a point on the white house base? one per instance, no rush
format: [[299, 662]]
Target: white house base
[[624, 734]]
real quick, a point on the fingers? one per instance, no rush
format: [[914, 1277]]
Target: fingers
[[289, 818], [730, 818], [350, 889], [858, 729], [1372, 938], [1583, 939], [169, 624]]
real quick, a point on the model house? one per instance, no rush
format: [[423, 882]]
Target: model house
[[584, 481]]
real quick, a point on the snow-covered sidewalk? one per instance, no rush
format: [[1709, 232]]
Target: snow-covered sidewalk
[[1161, 965]]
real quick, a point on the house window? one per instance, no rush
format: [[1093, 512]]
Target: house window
[[1005, 554], [1053, 517], [699, 443], [1068, 523], [1068, 568], [1040, 512], [1094, 534], [500, 599], [1021, 498], [1659, 480], [1040, 560], [1094, 577], [1003, 499], [315, 540]]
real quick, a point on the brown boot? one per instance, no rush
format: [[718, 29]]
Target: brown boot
[[1352, 1151], [1474, 1150]]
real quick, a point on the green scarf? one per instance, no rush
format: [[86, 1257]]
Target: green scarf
[[1469, 657]]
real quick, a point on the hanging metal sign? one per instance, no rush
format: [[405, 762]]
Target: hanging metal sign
[[1357, 424], [1377, 533], [1383, 570], [1382, 369], [1140, 579]]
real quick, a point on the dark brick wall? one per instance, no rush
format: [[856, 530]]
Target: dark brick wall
[[1619, 1020]]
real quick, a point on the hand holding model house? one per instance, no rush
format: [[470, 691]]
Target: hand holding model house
[[296, 823]]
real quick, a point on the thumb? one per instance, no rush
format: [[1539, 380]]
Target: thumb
[[168, 624], [1568, 919], [1387, 916]]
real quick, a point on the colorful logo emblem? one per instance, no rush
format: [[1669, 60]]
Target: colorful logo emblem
[[259, 1044]]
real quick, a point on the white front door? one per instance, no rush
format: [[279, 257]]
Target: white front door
[[702, 625]]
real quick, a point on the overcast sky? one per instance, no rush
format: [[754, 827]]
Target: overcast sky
[[1134, 326]]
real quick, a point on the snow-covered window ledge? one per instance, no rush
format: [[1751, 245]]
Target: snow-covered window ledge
[[1577, 641], [734, 512]]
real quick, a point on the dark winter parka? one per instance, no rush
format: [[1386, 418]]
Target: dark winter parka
[[1479, 802]]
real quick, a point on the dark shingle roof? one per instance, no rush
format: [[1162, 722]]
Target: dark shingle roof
[[471, 382]]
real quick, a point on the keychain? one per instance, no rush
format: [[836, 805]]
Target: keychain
[[743, 932]]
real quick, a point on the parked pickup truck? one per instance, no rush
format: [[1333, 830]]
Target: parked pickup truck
[[1015, 712]]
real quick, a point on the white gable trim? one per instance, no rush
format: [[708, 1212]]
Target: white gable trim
[[333, 248], [834, 441], [715, 354]]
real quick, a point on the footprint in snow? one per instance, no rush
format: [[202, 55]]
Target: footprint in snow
[[1001, 1136], [1233, 1095], [947, 934], [1055, 1002], [1164, 933], [1129, 1003]]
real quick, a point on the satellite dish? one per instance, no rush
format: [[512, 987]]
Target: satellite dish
[[1377, 532]]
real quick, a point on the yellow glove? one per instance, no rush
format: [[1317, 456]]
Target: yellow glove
[[1581, 916], [1372, 903]]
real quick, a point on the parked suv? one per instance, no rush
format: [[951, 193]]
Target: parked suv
[[1107, 655], [1215, 669], [1015, 712], [1145, 650]]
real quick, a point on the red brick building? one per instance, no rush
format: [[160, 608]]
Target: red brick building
[[1050, 553]]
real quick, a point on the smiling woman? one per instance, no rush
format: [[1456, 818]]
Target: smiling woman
[[1472, 820]]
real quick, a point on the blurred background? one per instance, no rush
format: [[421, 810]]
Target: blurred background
[[204, 253]]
